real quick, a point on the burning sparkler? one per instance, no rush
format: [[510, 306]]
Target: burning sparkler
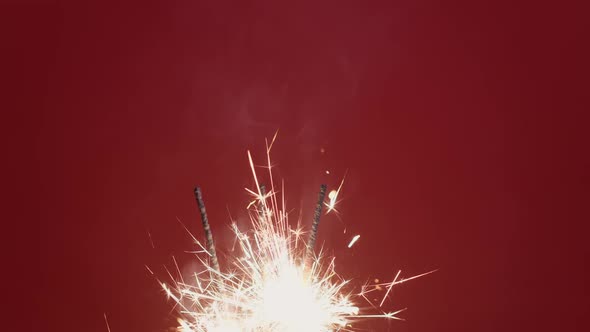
[[278, 284]]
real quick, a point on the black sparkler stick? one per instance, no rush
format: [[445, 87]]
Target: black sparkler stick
[[316, 222], [208, 234]]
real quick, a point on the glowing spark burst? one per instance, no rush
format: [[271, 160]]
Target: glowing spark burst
[[269, 287], [354, 239]]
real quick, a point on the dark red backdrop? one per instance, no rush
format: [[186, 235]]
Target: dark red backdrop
[[464, 149]]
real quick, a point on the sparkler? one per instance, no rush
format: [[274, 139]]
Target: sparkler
[[271, 287]]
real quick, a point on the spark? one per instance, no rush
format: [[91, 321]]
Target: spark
[[106, 322], [354, 239], [389, 288], [333, 197], [151, 241], [267, 285]]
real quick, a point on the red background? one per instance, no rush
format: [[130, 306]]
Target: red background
[[457, 121]]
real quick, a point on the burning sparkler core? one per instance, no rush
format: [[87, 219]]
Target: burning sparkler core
[[277, 285]]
